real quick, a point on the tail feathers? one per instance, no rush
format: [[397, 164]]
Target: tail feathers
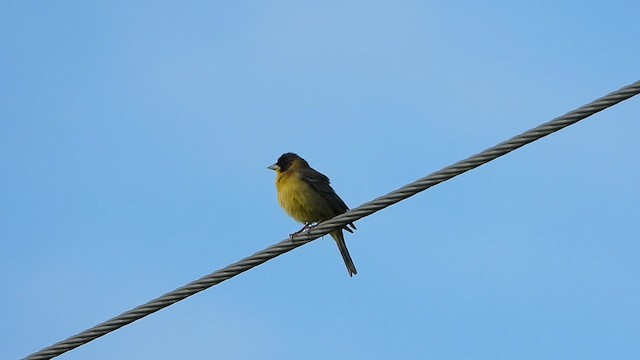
[[342, 246]]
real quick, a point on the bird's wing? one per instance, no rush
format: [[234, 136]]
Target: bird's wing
[[320, 184]]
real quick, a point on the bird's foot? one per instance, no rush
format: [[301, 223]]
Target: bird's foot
[[306, 228]]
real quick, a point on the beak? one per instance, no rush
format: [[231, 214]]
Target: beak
[[273, 167]]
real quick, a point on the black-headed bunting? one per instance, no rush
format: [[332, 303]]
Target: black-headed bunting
[[307, 196]]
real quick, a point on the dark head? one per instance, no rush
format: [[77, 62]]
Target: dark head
[[286, 161]]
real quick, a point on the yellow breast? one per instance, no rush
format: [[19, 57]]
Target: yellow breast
[[299, 200]]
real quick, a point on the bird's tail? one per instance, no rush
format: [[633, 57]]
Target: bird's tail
[[338, 236]]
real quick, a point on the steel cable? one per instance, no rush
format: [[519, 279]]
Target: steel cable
[[321, 229]]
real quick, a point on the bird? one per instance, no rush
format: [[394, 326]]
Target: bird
[[307, 196]]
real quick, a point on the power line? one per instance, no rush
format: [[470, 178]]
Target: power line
[[337, 222]]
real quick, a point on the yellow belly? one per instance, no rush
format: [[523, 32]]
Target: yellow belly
[[301, 202]]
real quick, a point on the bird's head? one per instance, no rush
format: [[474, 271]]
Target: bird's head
[[288, 161]]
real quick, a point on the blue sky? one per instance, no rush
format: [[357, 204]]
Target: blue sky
[[134, 141]]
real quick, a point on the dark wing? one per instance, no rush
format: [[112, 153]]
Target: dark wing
[[321, 184]]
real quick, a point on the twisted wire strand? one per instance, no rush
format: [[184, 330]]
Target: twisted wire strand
[[339, 221]]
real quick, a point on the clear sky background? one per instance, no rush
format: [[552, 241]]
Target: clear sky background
[[134, 141]]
